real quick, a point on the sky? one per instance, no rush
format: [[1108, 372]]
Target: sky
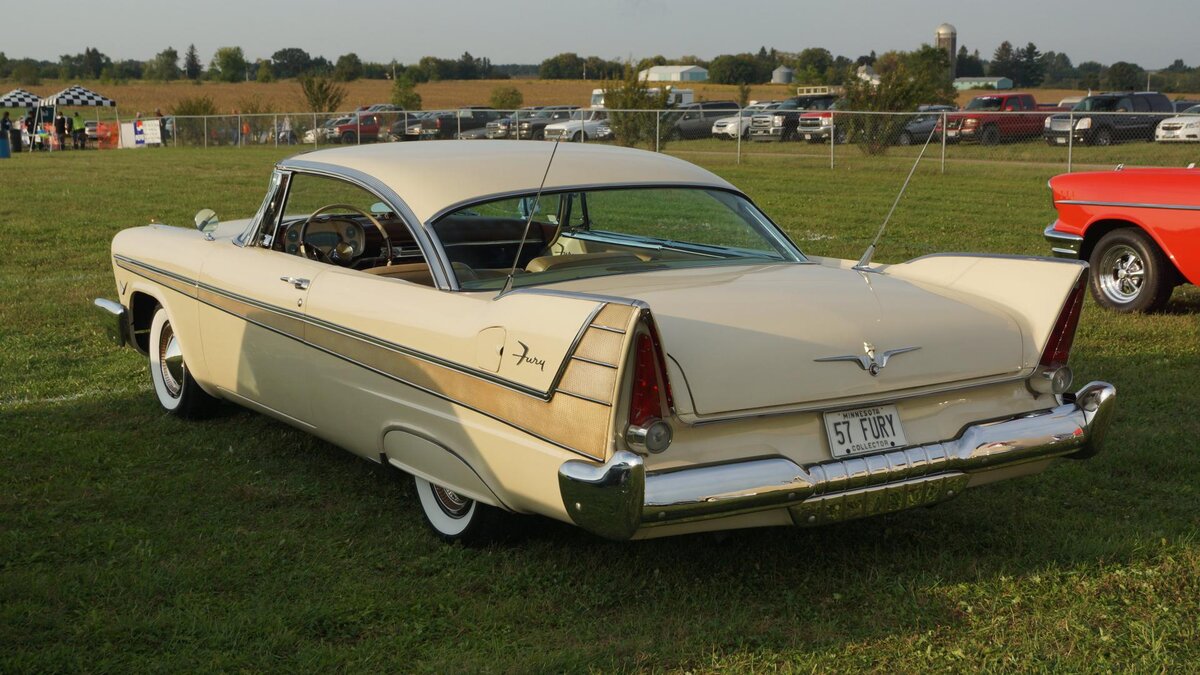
[[524, 31]]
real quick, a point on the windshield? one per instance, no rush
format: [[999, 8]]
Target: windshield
[[1096, 104], [577, 235], [1194, 110], [984, 103]]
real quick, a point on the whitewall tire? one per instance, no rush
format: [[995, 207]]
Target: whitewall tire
[[454, 517], [174, 387]]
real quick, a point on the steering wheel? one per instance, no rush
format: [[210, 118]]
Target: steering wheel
[[341, 253]]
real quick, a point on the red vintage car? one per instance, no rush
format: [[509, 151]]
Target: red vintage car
[[1138, 228]]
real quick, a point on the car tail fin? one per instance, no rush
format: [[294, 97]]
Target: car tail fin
[[1062, 336]]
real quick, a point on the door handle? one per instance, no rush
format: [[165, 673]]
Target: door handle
[[301, 284]]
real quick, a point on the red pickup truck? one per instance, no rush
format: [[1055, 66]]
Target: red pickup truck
[[994, 118], [365, 128]]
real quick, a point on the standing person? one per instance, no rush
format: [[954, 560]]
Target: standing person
[[30, 131], [70, 129], [79, 135], [6, 126], [60, 130]]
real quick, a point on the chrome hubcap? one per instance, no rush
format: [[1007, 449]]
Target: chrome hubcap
[[1122, 272], [170, 361], [451, 503]]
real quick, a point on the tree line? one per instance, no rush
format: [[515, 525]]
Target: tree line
[[1027, 66]]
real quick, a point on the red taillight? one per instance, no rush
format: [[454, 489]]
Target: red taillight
[[645, 403], [1058, 347], [438, 122]]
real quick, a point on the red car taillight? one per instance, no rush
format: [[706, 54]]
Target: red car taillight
[[1058, 347], [645, 401], [647, 430], [1052, 375]]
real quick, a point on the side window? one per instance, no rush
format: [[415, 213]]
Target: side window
[[1124, 105], [1140, 104], [341, 234]]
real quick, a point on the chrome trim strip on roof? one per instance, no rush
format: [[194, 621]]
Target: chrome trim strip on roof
[[1131, 205]]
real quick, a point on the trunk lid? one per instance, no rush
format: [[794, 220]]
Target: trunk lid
[[749, 337]]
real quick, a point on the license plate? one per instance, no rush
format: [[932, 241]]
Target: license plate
[[1170, 134], [1060, 141], [853, 432], [951, 134], [808, 137]]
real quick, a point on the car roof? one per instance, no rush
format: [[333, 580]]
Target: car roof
[[433, 176]]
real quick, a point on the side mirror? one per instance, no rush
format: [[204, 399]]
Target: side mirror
[[1010, 108], [206, 220]]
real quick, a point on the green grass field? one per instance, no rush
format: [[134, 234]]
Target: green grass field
[[131, 541]]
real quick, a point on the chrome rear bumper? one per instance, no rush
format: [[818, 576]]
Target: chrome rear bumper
[[618, 498]]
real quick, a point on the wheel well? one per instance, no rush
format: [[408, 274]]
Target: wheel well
[[141, 310], [1098, 229]]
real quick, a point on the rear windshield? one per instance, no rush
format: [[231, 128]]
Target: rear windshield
[[985, 103], [1096, 104], [591, 233]]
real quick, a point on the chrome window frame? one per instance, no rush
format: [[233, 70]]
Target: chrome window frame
[[430, 249]]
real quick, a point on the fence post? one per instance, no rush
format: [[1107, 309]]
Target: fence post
[[944, 127], [741, 111], [175, 135], [316, 132], [657, 130], [238, 132], [205, 132], [1070, 139], [832, 135], [357, 128], [458, 122], [275, 130]]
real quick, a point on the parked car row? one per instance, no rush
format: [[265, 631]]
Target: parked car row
[[1098, 119]]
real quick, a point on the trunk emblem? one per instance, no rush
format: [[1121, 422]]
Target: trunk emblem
[[870, 362]]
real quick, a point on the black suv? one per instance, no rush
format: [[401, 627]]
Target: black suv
[[1111, 117], [695, 120]]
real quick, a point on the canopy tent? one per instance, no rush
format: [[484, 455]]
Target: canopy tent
[[19, 98], [79, 96]]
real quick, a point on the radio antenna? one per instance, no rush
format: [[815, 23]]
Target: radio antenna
[[864, 263], [528, 221]]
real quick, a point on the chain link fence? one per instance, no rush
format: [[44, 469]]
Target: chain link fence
[[1073, 139]]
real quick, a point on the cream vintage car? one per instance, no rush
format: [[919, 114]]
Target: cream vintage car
[[633, 347]]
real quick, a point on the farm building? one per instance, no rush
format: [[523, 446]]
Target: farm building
[[674, 74], [964, 83]]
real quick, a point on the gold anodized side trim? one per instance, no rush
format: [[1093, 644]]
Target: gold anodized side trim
[[578, 420]]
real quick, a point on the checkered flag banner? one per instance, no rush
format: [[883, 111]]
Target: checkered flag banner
[[19, 98], [78, 96]]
